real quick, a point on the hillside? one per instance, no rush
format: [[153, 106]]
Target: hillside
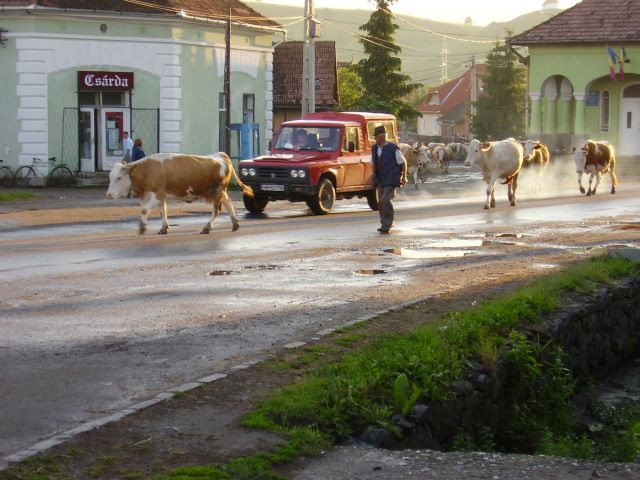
[[421, 57]]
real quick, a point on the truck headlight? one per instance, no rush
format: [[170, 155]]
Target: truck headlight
[[244, 172], [252, 172], [302, 174], [294, 173]]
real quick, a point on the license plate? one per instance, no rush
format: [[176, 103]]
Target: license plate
[[267, 187]]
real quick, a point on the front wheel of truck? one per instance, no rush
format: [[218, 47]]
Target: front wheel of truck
[[323, 200]]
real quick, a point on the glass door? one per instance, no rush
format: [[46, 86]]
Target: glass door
[[115, 121], [87, 140]]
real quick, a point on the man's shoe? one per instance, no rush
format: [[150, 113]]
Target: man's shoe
[[384, 230]]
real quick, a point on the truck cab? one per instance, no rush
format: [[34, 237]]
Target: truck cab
[[319, 159]]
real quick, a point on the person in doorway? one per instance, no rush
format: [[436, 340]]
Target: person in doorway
[[127, 145], [137, 153], [389, 173]]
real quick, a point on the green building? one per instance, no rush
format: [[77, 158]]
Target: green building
[[576, 89], [76, 74]]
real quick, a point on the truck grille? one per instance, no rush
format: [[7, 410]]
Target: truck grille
[[272, 172]]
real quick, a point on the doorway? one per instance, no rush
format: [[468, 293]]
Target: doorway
[[630, 121]]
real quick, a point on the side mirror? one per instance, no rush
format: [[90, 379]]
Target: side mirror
[[352, 146]]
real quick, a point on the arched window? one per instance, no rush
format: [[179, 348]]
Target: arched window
[[632, 91], [604, 111]]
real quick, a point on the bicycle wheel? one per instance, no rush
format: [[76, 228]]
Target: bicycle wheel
[[6, 177], [24, 175], [61, 176]]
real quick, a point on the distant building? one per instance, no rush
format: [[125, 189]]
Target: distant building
[[550, 5], [76, 74], [446, 111], [574, 94], [287, 80]]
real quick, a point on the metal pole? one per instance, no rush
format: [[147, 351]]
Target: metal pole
[[227, 84], [474, 87], [309, 60]]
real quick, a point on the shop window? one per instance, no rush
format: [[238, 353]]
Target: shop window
[[248, 108], [88, 99], [113, 99], [604, 111]]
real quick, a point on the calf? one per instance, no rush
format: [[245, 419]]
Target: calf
[[444, 154], [417, 158], [536, 156], [497, 160], [595, 158], [189, 177]]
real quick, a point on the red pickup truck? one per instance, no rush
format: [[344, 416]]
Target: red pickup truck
[[319, 159]]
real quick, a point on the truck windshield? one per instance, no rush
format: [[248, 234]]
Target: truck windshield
[[321, 139]]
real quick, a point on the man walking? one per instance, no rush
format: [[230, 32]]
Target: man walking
[[389, 173]]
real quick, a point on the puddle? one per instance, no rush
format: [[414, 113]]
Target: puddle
[[455, 243], [219, 273], [370, 272], [430, 253]]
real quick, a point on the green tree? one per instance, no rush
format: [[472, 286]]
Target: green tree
[[500, 109], [384, 87], [349, 87]]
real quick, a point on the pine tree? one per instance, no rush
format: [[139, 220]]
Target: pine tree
[[500, 109], [384, 87]]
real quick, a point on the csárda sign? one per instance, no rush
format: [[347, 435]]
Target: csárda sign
[[105, 80]]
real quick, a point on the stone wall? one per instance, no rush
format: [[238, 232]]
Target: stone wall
[[598, 332]]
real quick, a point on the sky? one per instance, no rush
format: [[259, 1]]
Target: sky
[[482, 12]]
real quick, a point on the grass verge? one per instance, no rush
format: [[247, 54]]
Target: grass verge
[[386, 375], [13, 196]]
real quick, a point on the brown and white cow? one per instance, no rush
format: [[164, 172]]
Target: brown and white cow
[[155, 178], [444, 155], [497, 160], [417, 157], [595, 158], [536, 156]]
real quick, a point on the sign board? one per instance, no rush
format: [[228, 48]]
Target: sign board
[[593, 97], [105, 80]]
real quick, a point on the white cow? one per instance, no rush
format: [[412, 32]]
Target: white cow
[[497, 160], [417, 158]]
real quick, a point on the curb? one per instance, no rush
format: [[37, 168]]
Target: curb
[[44, 445]]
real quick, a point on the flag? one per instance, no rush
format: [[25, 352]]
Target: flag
[[613, 59], [624, 56]]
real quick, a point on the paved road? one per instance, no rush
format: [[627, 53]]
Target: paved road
[[94, 317]]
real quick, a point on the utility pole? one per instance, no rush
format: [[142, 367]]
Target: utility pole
[[309, 59], [474, 85], [227, 83], [444, 73]]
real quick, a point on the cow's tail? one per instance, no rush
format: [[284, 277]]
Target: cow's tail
[[248, 191], [509, 179]]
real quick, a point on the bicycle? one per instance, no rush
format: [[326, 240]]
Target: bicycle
[[58, 175], [6, 176]]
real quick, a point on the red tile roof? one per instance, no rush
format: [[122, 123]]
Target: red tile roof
[[452, 93], [287, 74], [591, 21], [211, 9]]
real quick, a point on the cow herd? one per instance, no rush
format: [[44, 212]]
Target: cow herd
[[190, 177]]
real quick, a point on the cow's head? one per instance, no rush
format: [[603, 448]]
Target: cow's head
[[119, 181], [579, 157], [424, 154], [529, 147], [476, 152]]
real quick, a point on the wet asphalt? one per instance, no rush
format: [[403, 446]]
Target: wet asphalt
[[94, 317]]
